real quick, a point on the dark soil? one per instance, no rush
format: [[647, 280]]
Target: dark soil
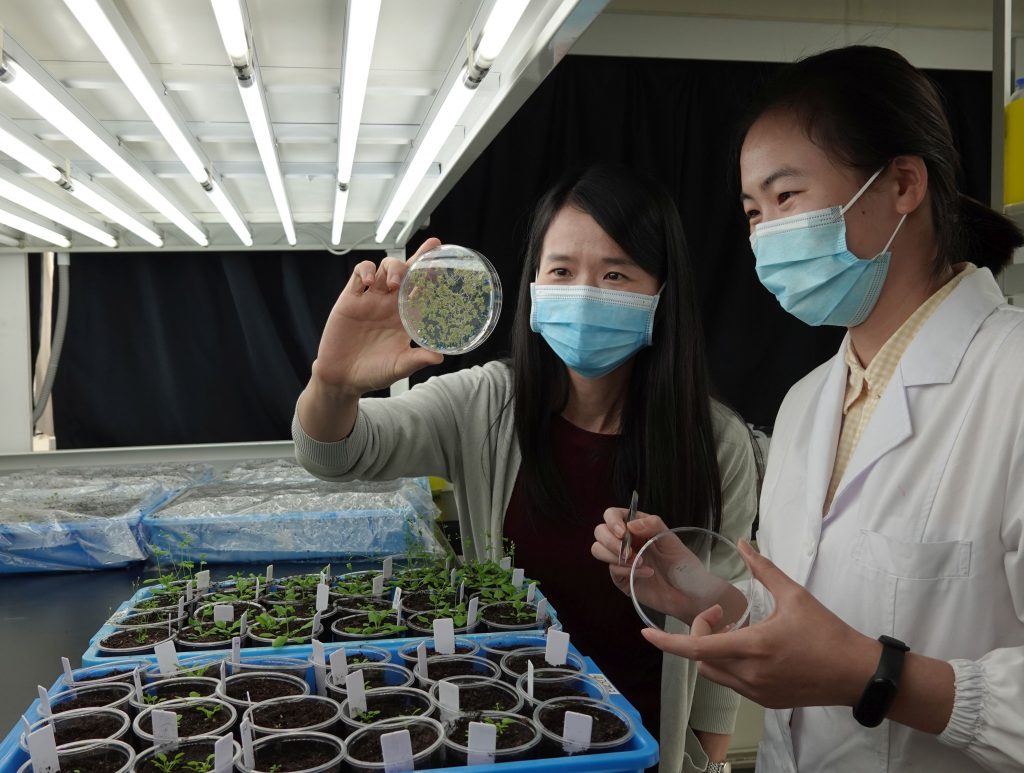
[[372, 677], [358, 622], [505, 614], [193, 722], [292, 755], [367, 746], [260, 688], [607, 726], [422, 601], [123, 676], [562, 688], [85, 728], [93, 699], [209, 636], [517, 663], [515, 734], [167, 692], [304, 609], [363, 603], [391, 706], [156, 602], [294, 714], [239, 607], [460, 649], [140, 637], [442, 669], [485, 698], [193, 752], [99, 761]]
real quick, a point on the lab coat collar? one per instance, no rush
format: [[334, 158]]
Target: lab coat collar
[[824, 435]]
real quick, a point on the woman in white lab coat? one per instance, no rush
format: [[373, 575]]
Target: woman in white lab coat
[[893, 503]]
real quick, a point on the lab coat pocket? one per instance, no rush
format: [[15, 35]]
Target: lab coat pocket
[[912, 560]]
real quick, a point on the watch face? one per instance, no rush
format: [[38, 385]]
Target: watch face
[[874, 702]]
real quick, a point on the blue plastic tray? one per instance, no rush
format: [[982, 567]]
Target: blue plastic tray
[[641, 752]]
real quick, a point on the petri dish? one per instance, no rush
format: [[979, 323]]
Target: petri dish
[[672, 576], [450, 299]]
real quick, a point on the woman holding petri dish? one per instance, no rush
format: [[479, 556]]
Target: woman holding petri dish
[[605, 392], [893, 505]]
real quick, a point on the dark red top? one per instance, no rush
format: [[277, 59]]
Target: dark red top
[[555, 550]]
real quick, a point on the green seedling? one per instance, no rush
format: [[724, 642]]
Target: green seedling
[[209, 713], [275, 767], [375, 624], [366, 717], [283, 629], [457, 613], [501, 725], [166, 764], [201, 766]]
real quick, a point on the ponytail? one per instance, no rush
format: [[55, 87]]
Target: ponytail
[[987, 238]]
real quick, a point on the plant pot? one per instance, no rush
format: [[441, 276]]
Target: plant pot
[[243, 690], [114, 695], [83, 725], [339, 626], [422, 624], [551, 683], [352, 584], [501, 617], [425, 601], [390, 703], [496, 646], [298, 636], [193, 722], [513, 665], [444, 666], [115, 671], [147, 618], [407, 652], [300, 712], [204, 611], [296, 753], [375, 676], [274, 664], [195, 749], [303, 608], [124, 642], [479, 694], [206, 665], [92, 757], [186, 641], [176, 688], [517, 738], [613, 728], [353, 605], [427, 735]]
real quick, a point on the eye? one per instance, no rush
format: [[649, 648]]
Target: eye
[[614, 276], [785, 196], [560, 272], [751, 214]]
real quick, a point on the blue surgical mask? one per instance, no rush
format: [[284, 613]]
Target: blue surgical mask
[[804, 261], [592, 330]]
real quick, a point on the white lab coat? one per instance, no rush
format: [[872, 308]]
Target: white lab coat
[[924, 540]]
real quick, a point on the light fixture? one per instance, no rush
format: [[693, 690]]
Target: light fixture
[[231, 23], [31, 226], [112, 37], [360, 32], [22, 153], [502, 19], [23, 85], [11, 189], [91, 197]]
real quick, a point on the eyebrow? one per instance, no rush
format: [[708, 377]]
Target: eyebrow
[[778, 174], [609, 261]]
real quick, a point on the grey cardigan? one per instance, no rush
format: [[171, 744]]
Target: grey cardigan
[[460, 427]]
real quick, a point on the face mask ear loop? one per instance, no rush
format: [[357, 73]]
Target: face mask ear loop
[[863, 188], [892, 238]]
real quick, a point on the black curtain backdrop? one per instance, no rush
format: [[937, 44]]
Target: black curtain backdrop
[[166, 348]]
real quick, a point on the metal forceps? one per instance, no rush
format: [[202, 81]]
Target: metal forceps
[[627, 539]]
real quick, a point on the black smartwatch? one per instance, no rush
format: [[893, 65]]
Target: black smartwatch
[[881, 691]]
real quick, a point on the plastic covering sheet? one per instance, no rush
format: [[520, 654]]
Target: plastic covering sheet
[[73, 519], [274, 510]]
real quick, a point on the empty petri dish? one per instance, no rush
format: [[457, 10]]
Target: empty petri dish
[[450, 299], [673, 576]]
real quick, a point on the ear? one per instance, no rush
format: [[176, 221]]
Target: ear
[[911, 178]]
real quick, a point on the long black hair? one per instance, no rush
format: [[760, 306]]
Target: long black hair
[[666, 449], [865, 105]]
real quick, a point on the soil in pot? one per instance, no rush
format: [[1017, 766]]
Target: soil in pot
[[509, 735], [363, 604], [288, 715], [546, 689], [517, 663], [86, 728], [193, 721], [485, 697], [113, 675], [132, 639], [389, 706], [285, 756], [258, 688], [210, 635], [425, 601], [360, 626], [98, 761], [145, 618], [239, 608], [607, 727], [366, 748], [94, 698], [506, 615], [171, 691], [442, 669], [191, 754]]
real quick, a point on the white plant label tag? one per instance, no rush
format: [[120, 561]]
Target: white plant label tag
[[462, 591], [223, 672], [181, 607], [245, 731], [321, 597], [165, 726], [518, 575], [42, 748], [318, 653], [378, 585], [396, 749], [453, 577], [243, 624], [483, 740], [339, 666], [137, 680], [270, 574], [556, 648], [421, 660], [189, 592], [356, 693], [69, 677], [531, 592], [256, 591], [387, 568], [223, 752], [471, 611], [316, 623], [319, 667], [203, 580], [166, 658], [448, 697], [44, 702], [27, 724], [224, 613], [542, 610], [325, 573], [444, 636], [506, 563], [236, 649], [576, 732], [397, 601], [529, 678]]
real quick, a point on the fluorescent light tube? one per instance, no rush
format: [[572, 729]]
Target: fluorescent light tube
[[34, 203], [252, 100], [39, 231], [91, 197], [360, 32], [33, 94], [454, 105], [231, 24], [221, 202], [23, 154], [96, 24], [504, 17]]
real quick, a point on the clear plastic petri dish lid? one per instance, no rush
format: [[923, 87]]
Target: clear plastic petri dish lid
[[450, 299], [673, 575]]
